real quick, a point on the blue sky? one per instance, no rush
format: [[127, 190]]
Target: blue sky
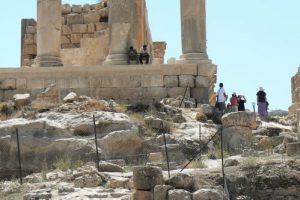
[[254, 42]]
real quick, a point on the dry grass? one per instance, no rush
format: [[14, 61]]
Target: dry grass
[[249, 163], [196, 164]]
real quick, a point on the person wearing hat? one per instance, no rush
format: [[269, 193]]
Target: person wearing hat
[[234, 102], [262, 102]]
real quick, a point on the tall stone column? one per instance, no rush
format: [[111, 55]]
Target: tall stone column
[[193, 32], [48, 33]]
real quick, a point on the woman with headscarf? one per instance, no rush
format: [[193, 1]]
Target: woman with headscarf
[[262, 102]]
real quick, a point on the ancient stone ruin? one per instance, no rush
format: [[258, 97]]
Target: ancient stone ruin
[[83, 49]]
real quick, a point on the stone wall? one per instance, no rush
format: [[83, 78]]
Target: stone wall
[[295, 88], [132, 83]]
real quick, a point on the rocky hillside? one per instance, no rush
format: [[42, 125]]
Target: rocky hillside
[[59, 157]]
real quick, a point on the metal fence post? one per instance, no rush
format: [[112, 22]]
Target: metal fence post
[[183, 95], [19, 156], [168, 164], [96, 143]]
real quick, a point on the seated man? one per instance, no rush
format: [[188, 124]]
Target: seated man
[[132, 55], [144, 54]]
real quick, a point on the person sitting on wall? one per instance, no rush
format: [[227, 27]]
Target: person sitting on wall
[[144, 54], [132, 55]]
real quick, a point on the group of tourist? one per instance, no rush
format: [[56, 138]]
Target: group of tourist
[[237, 102], [138, 58]]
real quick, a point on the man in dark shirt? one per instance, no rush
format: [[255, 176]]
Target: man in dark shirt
[[262, 102], [132, 55]]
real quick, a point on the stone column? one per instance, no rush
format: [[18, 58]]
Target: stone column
[[48, 33], [159, 49], [193, 32]]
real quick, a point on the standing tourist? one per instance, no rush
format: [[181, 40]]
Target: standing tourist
[[242, 101], [221, 98], [234, 102], [262, 102]]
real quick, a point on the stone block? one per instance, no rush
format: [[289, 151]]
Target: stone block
[[126, 81], [131, 93], [63, 20], [186, 81], [28, 39], [8, 94], [203, 194], [79, 28], [91, 18], [119, 182], [91, 28], [75, 38], [35, 83], [170, 69], [66, 9], [143, 195], [207, 69], [86, 8], [188, 69], [74, 19], [65, 40], [107, 93], [21, 84], [147, 177], [103, 12], [200, 94], [8, 84], [101, 26], [90, 35], [161, 192], [76, 9], [83, 82], [30, 30], [293, 149], [152, 81], [237, 137], [244, 119], [174, 92], [29, 49], [155, 157], [154, 92], [202, 81], [171, 81], [66, 30], [179, 194]]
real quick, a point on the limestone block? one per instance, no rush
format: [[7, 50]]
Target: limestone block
[[8, 84], [35, 83], [171, 81], [119, 182], [293, 148], [79, 28], [75, 38], [68, 46], [29, 49], [143, 195], [152, 81], [66, 9], [86, 8], [170, 69], [21, 83], [65, 40], [186, 81], [28, 39], [126, 81], [74, 19], [30, 29], [155, 92], [207, 194], [182, 181], [102, 33], [91, 28], [200, 94], [83, 82], [76, 9], [89, 35], [188, 69], [147, 177], [177, 91], [235, 138], [8, 94], [245, 119], [101, 26], [155, 157], [103, 12], [91, 18], [207, 69], [161, 191], [202, 81], [107, 93], [21, 99], [63, 20], [179, 195], [66, 30], [131, 93]]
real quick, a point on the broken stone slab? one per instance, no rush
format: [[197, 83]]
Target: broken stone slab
[[71, 97], [109, 167], [243, 119], [147, 177], [21, 99]]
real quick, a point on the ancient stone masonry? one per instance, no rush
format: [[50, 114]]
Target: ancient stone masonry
[[159, 52], [295, 87]]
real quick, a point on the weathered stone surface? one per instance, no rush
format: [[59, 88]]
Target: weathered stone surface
[[174, 152], [66, 9], [76, 8], [171, 81], [143, 195], [161, 191], [91, 28], [109, 167], [206, 109], [147, 177], [66, 30], [293, 149], [207, 194], [88, 180], [207, 70], [155, 157], [91, 18], [202, 81], [236, 137], [186, 81], [79, 28], [30, 29], [179, 195], [75, 38], [120, 182], [71, 97], [29, 39], [38, 194], [244, 119], [8, 84], [182, 181]]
